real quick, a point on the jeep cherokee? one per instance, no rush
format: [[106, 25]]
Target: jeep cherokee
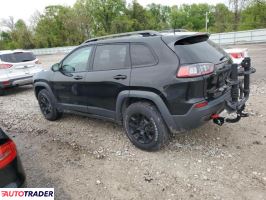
[[153, 83]]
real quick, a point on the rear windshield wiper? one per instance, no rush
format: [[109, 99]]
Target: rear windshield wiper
[[222, 58]]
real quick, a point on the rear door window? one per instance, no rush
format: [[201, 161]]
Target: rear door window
[[141, 55], [18, 57], [190, 52], [111, 57]]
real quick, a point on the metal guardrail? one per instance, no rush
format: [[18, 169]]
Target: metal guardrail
[[239, 37], [55, 50]]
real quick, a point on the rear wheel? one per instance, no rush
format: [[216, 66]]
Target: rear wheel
[[145, 127], [48, 106], [1, 92]]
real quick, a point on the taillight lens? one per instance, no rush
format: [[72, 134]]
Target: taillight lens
[[237, 55], [6, 83], [5, 66], [201, 104], [194, 70], [38, 62], [8, 153]]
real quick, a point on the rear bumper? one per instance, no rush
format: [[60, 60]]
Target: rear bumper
[[16, 82], [196, 117]]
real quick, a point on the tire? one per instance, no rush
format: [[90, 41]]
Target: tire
[[49, 110], [145, 127]]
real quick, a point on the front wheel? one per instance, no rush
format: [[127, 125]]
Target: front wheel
[[145, 127], [48, 106]]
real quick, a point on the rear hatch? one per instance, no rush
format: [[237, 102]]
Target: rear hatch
[[194, 49], [20, 64]]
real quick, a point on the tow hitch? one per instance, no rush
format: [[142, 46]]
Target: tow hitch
[[217, 119], [239, 92]]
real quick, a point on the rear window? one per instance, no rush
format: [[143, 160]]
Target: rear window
[[18, 57], [192, 51]]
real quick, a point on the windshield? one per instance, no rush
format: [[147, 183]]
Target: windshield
[[18, 57]]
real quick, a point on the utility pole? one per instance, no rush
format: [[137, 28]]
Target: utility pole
[[206, 21]]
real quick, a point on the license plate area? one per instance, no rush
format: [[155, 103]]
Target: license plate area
[[216, 84]]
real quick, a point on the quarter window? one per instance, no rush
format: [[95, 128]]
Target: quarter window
[[110, 57], [141, 55]]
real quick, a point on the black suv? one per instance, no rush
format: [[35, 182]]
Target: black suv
[[153, 83]]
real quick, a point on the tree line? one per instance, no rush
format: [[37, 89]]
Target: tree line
[[65, 26]]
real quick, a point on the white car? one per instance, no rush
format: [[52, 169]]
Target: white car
[[17, 68], [237, 54]]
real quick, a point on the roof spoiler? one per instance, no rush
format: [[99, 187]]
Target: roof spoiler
[[173, 40]]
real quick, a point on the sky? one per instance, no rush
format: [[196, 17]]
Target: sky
[[24, 9]]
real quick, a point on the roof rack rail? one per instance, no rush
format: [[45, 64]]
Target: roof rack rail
[[174, 30], [146, 33]]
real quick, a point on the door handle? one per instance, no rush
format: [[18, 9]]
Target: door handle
[[119, 77], [78, 77]]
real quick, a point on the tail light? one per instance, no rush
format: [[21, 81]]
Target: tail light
[[201, 104], [6, 83], [8, 153], [37, 62], [194, 70], [237, 55], [5, 66]]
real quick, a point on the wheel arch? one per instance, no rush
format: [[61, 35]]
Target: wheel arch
[[134, 95], [39, 86]]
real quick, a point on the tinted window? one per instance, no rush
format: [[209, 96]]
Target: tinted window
[[78, 60], [199, 52], [17, 57], [141, 55], [109, 57]]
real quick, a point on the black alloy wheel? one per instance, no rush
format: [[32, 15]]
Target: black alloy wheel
[[45, 105], [141, 128], [145, 127]]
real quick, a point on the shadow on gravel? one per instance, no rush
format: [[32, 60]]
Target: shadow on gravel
[[204, 137], [209, 137], [17, 90], [36, 162]]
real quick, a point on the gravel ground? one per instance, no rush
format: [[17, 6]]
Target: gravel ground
[[85, 158]]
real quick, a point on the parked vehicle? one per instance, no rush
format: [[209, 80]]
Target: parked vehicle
[[152, 83], [17, 68], [237, 54], [11, 171]]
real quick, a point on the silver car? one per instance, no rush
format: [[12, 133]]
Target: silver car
[[17, 68]]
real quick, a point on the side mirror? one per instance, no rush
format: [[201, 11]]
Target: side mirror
[[55, 67]]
